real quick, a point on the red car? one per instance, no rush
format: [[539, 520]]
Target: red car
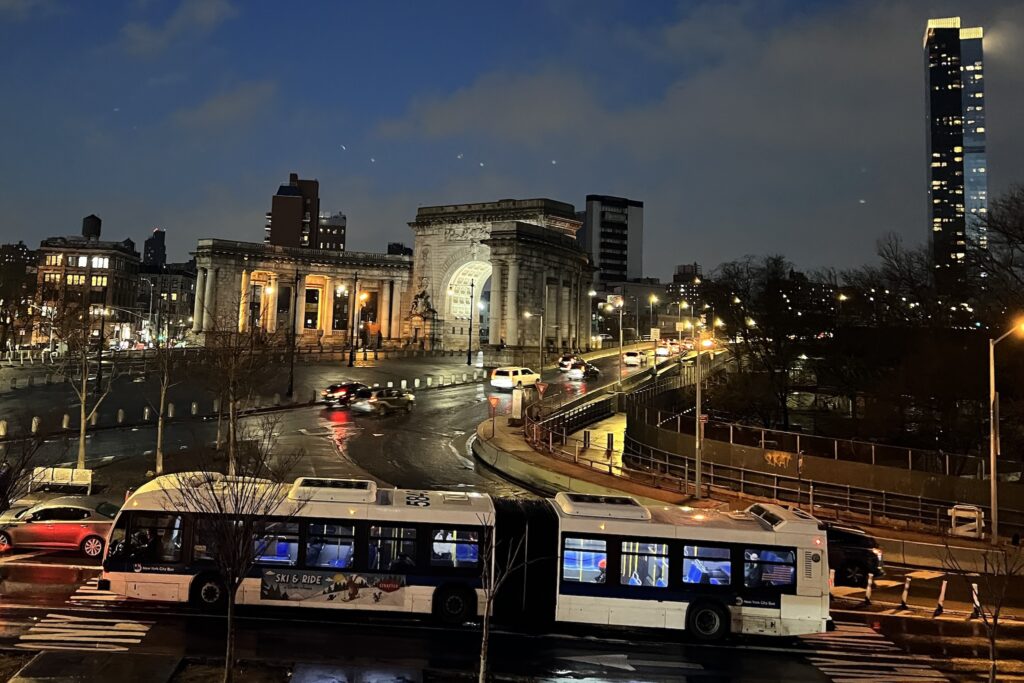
[[69, 522]]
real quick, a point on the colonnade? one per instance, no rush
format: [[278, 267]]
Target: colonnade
[[226, 297]]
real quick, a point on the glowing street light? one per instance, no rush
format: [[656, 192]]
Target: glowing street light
[[993, 428]]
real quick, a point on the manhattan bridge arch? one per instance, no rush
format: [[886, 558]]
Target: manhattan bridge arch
[[491, 263]]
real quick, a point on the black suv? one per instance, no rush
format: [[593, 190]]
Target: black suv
[[341, 394], [853, 553]]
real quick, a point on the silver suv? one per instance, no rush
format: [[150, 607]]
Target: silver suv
[[382, 401]]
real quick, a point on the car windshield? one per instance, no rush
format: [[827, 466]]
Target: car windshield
[[108, 510], [364, 393]]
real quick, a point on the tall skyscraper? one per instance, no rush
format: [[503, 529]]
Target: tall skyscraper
[[958, 173], [294, 216], [154, 249], [613, 235]]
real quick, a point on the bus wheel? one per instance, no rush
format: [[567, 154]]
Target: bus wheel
[[92, 546], [707, 621], [208, 593], [454, 605]]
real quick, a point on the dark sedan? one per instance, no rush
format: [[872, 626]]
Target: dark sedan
[[341, 395]]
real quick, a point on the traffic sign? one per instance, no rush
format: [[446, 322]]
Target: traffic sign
[[681, 327], [541, 387], [494, 401], [655, 333], [704, 418], [616, 300]]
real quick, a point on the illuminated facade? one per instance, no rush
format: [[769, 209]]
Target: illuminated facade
[[958, 184]]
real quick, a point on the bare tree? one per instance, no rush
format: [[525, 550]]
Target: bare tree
[[238, 516], [73, 325], [993, 575], [499, 561], [237, 364], [17, 459], [170, 366]]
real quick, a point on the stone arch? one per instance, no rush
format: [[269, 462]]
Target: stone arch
[[461, 291]]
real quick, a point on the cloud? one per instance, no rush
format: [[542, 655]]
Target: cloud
[[227, 108], [191, 17], [767, 145], [19, 10]]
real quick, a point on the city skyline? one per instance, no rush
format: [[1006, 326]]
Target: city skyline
[[189, 133]]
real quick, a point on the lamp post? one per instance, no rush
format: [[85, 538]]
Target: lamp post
[[590, 313], [99, 351], [472, 314], [993, 429], [354, 303], [619, 304], [653, 300]]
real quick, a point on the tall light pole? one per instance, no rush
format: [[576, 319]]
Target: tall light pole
[[653, 300], [619, 304], [590, 313], [993, 430], [472, 314]]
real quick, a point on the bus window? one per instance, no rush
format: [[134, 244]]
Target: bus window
[[704, 565], [584, 560], [455, 548], [156, 537], [277, 543], [116, 545], [644, 564], [769, 567], [330, 545], [392, 549]]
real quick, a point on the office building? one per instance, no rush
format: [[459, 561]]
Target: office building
[[331, 232], [87, 272], [957, 168], [154, 249], [294, 216], [613, 236], [686, 284], [167, 299]]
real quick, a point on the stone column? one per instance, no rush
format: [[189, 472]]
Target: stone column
[[270, 316], [210, 299], [243, 302], [512, 303], [299, 302], [197, 311], [389, 310], [382, 308], [352, 329], [327, 307], [572, 305], [494, 332], [559, 315], [396, 309]]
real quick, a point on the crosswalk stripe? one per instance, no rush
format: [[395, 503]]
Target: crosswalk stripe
[[71, 632], [926, 575]]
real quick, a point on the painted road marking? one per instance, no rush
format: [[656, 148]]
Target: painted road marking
[[626, 663], [925, 575], [862, 654], [89, 591], [69, 632]]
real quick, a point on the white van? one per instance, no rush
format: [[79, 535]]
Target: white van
[[512, 377]]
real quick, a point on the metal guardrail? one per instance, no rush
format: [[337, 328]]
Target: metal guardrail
[[550, 433]]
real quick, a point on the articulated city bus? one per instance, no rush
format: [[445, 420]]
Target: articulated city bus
[[604, 560]]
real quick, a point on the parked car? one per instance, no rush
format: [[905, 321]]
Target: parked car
[[567, 361], [634, 358], [68, 522], [382, 401], [341, 394], [853, 553], [583, 371], [510, 377]]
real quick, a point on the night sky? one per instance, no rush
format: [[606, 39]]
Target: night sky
[[746, 128]]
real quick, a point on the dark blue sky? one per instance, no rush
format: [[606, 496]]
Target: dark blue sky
[[745, 127]]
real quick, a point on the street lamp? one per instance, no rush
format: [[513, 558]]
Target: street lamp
[[653, 300], [619, 304], [993, 429], [472, 313]]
